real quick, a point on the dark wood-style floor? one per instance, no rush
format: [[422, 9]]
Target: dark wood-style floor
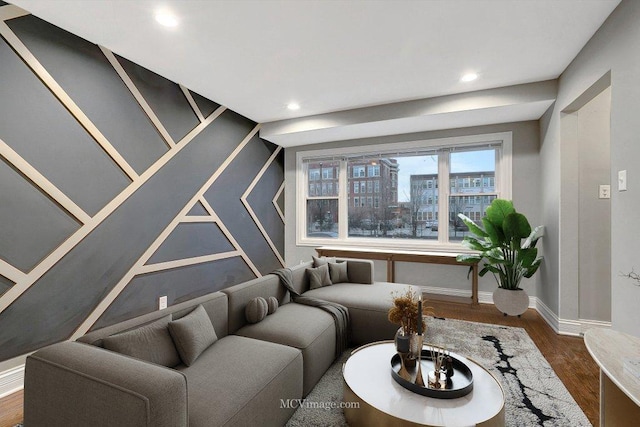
[[567, 355]]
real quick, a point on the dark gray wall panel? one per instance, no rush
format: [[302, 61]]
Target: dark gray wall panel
[[224, 196], [261, 201], [198, 210], [31, 224], [52, 308], [43, 132], [165, 99], [190, 240], [180, 284], [206, 106], [5, 284], [88, 78]]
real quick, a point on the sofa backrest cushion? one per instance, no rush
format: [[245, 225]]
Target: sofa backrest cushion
[[192, 334], [319, 276], [151, 342], [339, 272], [215, 304]]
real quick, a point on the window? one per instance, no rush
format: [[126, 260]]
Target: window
[[373, 170], [322, 200], [474, 166], [401, 206]]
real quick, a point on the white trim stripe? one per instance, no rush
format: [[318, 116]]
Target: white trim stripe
[[190, 218], [250, 209], [138, 96], [151, 268], [20, 287], [10, 272], [43, 183], [275, 201], [11, 11], [62, 96], [192, 103], [135, 270]]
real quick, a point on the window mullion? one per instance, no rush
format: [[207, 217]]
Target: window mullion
[[343, 203], [443, 196]]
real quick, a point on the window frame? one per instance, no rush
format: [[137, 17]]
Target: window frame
[[503, 182]]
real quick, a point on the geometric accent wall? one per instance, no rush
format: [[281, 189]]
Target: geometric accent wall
[[118, 186]]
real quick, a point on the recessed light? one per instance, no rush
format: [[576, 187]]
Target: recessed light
[[293, 106], [166, 19], [469, 77]]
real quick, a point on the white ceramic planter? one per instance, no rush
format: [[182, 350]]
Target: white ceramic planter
[[511, 302]]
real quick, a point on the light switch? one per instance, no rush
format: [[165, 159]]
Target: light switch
[[604, 192], [622, 180]]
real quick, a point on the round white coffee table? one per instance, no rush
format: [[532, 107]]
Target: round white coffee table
[[381, 401]]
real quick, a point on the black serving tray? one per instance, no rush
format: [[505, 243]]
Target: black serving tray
[[460, 384]]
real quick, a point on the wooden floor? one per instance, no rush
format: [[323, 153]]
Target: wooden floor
[[567, 355]]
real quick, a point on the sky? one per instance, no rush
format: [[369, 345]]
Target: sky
[[463, 161]]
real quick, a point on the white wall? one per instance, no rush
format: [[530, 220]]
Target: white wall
[[526, 197], [594, 213], [616, 48]]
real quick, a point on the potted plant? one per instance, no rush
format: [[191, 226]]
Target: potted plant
[[507, 245]]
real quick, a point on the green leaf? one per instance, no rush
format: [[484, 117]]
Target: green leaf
[[516, 226], [534, 267], [469, 258], [473, 227], [527, 257], [498, 210], [494, 232]]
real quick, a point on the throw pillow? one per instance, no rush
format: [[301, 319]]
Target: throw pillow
[[318, 277], [192, 334], [256, 310], [151, 342], [338, 272], [272, 305], [318, 261]]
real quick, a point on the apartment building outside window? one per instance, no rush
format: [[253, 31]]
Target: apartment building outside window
[[396, 191]]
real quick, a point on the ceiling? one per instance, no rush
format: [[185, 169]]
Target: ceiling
[[357, 68]]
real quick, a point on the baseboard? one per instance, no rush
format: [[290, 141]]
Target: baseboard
[[11, 381], [559, 326]]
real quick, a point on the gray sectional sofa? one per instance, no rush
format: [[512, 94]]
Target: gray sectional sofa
[[237, 380]]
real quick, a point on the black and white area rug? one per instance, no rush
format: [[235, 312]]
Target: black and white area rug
[[534, 395]]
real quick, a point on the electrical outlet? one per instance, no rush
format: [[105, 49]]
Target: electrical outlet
[[605, 191], [162, 302], [622, 180]]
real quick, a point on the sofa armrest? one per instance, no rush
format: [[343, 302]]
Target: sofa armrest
[[74, 384], [359, 270]]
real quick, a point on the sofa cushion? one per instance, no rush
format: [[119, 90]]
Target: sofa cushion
[[256, 310], [192, 334], [338, 272], [310, 329], [368, 307], [319, 276], [318, 261], [240, 381], [151, 342], [272, 303]]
